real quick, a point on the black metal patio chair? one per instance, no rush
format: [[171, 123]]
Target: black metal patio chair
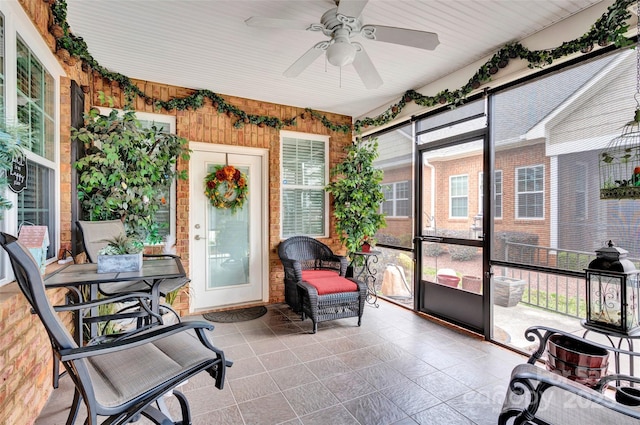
[[95, 236], [121, 379]]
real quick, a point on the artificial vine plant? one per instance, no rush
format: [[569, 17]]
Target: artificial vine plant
[[609, 28], [357, 195], [127, 170]]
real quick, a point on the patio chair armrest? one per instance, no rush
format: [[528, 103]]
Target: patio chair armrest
[[604, 381], [543, 333], [292, 269], [139, 296], [135, 341], [537, 395], [310, 289]]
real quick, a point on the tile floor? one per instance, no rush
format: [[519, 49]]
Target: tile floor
[[397, 368]]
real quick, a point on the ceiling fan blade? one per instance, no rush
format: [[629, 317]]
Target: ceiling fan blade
[[404, 36], [352, 8], [307, 59], [262, 22], [365, 69]]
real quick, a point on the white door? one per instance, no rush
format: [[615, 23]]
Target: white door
[[228, 256]]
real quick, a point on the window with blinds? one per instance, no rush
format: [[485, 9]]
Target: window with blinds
[[3, 258], [35, 108], [305, 173], [396, 199], [459, 196]]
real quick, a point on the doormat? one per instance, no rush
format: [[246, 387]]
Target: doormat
[[241, 315]]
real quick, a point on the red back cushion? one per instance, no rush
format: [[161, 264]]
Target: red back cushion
[[314, 274], [332, 285]]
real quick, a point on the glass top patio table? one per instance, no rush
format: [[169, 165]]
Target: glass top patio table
[[153, 273], [153, 270]]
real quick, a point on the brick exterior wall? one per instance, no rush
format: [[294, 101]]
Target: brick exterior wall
[[25, 354], [508, 161], [206, 125], [25, 358], [399, 227]]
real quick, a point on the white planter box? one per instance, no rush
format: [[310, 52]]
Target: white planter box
[[119, 263]]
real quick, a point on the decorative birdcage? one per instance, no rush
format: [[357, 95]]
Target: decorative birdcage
[[620, 164]]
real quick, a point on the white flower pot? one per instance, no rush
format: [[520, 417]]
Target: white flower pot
[[119, 263]]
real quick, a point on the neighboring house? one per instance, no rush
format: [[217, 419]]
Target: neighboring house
[[546, 166], [396, 160]]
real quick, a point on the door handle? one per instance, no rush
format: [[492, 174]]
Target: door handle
[[197, 237], [428, 239]]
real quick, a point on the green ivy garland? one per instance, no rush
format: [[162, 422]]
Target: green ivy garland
[[609, 28]]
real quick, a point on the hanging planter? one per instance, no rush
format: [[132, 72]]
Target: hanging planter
[[226, 187]]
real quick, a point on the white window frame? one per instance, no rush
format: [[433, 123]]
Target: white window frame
[[394, 198], [495, 193], [312, 137], [582, 179], [160, 119], [18, 24], [517, 207], [451, 197]]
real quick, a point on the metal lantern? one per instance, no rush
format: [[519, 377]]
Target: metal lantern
[[612, 292]]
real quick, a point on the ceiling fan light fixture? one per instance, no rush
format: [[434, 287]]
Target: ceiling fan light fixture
[[341, 53]]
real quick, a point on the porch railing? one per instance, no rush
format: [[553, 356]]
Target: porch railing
[[556, 292]]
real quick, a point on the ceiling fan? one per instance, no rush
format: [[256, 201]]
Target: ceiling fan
[[341, 24]]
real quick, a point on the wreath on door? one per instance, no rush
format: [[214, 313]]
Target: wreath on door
[[226, 187]]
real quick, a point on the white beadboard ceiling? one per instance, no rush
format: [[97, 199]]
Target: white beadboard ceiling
[[205, 44]]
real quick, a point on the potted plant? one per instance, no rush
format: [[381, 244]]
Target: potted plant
[[122, 254], [127, 170], [357, 195]]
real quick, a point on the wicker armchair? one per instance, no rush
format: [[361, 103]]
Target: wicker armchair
[[315, 284], [300, 253]]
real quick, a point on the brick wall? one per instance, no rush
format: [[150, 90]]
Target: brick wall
[[25, 358], [25, 354], [206, 125]]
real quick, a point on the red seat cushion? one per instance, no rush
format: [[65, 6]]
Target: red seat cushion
[[314, 274], [332, 285]]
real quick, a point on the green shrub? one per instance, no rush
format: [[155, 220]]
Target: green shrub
[[462, 253], [434, 250]]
